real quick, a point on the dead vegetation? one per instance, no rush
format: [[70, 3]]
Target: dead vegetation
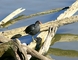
[[14, 49]]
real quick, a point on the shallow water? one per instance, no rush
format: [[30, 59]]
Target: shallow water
[[35, 6]]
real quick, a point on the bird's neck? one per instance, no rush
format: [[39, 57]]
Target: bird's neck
[[37, 24]]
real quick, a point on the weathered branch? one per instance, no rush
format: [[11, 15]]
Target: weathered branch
[[3, 39], [36, 54], [22, 17], [69, 12], [44, 26], [64, 15], [10, 16], [63, 19], [12, 49], [47, 41]]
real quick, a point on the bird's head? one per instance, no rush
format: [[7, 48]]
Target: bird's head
[[39, 22]]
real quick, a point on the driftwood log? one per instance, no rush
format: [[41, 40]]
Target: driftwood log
[[20, 51], [14, 50]]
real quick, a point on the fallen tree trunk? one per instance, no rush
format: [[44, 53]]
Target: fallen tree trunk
[[43, 27], [61, 20], [13, 49]]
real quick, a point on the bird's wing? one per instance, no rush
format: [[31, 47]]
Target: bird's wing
[[30, 28]]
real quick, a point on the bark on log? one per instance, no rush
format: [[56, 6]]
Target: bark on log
[[47, 41], [12, 50], [36, 54], [45, 26]]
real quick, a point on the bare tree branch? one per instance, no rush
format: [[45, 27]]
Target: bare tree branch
[[10, 16]]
